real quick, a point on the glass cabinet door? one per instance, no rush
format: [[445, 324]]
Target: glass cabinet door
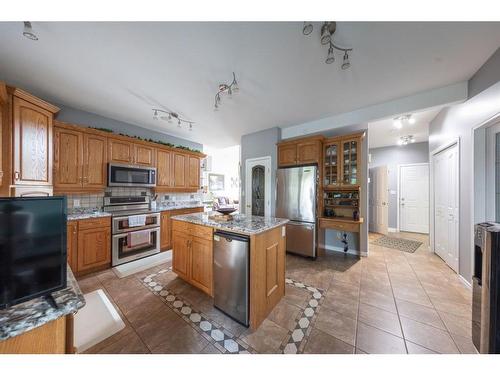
[[350, 151], [331, 164]]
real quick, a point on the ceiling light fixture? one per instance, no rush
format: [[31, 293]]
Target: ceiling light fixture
[[228, 89], [168, 117], [404, 140], [327, 31], [400, 120], [28, 31], [307, 28]]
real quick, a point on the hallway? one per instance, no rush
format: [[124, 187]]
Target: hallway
[[388, 302]]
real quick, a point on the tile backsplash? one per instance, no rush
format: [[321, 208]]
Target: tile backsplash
[[95, 201]]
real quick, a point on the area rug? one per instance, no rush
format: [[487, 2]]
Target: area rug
[[224, 340], [401, 244]]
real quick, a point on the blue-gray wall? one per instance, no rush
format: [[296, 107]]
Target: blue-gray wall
[[87, 119], [458, 122], [255, 145], [392, 156]]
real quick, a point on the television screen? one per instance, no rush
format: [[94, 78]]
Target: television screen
[[32, 248]]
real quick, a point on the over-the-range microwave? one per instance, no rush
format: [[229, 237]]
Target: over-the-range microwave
[[131, 175]]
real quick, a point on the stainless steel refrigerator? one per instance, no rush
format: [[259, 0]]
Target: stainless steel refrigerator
[[296, 200]]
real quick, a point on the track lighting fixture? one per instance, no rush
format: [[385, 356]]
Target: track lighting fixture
[[28, 31], [167, 116], [228, 89], [331, 56], [307, 28], [327, 31], [400, 120]]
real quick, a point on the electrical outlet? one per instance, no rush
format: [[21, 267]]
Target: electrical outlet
[[76, 203], [339, 236]]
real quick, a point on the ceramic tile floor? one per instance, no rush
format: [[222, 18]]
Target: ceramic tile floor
[[388, 302]]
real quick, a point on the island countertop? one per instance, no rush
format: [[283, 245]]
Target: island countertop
[[31, 314], [242, 224]]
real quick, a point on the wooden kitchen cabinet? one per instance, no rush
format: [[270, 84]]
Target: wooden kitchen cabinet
[[193, 172], [163, 169], [94, 244], [72, 244], [201, 263], [94, 162], [192, 254], [179, 169], [165, 231], [181, 256], [351, 160], [31, 139], [120, 151], [144, 155], [3, 119], [68, 155], [79, 159], [301, 151]]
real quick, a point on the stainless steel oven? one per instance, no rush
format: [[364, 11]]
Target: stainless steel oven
[[135, 229], [131, 175]]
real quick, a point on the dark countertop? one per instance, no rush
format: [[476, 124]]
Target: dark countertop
[[241, 224], [28, 315]]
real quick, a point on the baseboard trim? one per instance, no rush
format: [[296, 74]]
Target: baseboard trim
[[392, 230]]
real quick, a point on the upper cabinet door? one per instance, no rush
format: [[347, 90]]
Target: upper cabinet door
[[120, 151], [68, 153], [308, 152], [194, 172], [144, 155], [331, 163], [32, 146], [180, 164], [287, 154], [95, 159], [350, 161], [163, 168]]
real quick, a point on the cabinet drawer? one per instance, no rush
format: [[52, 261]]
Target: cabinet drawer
[[201, 231], [180, 226], [94, 223], [339, 225]]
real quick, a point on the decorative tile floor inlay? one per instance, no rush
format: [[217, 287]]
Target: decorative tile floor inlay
[[224, 340], [297, 339], [402, 244]]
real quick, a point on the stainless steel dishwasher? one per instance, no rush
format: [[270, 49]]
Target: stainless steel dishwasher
[[231, 275]]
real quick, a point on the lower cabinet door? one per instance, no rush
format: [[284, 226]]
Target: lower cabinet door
[[72, 245], [166, 231], [94, 248], [180, 254], [202, 264]]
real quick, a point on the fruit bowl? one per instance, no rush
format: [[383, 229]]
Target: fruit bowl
[[226, 210]]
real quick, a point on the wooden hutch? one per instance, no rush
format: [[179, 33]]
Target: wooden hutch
[[339, 168]]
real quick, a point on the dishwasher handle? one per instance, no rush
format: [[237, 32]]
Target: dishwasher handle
[[229, 236]]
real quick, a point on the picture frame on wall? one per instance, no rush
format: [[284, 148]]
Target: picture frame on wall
[[215, 182]]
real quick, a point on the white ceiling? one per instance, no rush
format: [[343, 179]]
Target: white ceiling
[[121, 70], [383, 133]]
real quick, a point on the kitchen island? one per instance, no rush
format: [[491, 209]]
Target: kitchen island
[[193, 243]]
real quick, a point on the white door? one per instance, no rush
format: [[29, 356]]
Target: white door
[[446, 180], [250, 164], [378, 200], [414, 198]]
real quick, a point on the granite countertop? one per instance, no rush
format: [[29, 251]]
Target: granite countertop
[[87, 215], [28, 315], [242, 224], [161, 208]]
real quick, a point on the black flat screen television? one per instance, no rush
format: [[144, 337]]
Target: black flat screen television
[[32, 248]]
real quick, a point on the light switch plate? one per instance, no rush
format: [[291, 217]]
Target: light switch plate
[[283, 231], [76, 202]]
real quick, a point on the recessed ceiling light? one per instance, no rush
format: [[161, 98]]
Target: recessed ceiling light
[[411, 120]]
